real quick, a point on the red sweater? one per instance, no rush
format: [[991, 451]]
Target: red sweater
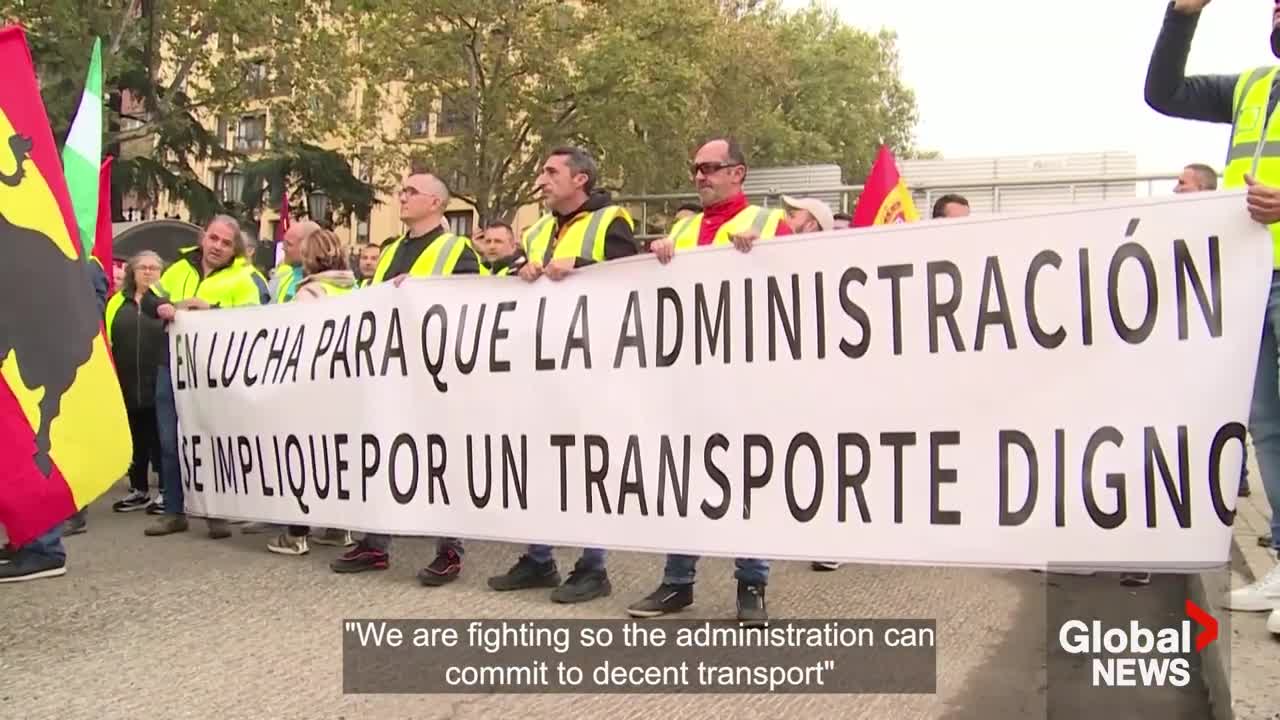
[[715, 216]]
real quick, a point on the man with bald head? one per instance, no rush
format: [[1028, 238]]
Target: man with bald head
[[287, 275], [718, 171], [426, 249]]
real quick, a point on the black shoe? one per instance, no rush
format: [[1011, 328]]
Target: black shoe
[[157, 506], [359, 559], [31, 566], [666, 599], [527, 573], [132, 502], [443, 570], [751, 608], [75, 525], [583, 584], [1135, 579]]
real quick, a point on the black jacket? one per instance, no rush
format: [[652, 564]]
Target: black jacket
[[619, 241], [138, 346], [1200, 97]]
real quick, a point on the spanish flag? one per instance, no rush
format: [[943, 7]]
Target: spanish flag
[[885, 198], [64, 435]]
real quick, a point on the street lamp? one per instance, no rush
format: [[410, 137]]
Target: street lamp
[[318, 206]]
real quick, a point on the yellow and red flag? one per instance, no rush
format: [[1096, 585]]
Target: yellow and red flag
[[64, 435], [885, 198]]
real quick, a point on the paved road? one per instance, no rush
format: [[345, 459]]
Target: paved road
[[186, 627]]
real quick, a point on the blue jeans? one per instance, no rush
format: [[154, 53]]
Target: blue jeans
[[167, 425], [592, 558], [1264, 415], [48, 544], [680, 570]]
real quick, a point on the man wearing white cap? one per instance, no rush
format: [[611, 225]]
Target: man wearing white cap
[[808, 215]]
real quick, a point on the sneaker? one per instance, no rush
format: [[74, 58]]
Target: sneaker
[[583, 584], [359, 559], [665, 600], [1273, 622], [258, 528], [132, 502], [333, 538], [527, 573], [443, 570], [75, 525], [167, 525], [1135, 579], [31, 566], [218, 529], [1259, 597], [824, 566], [751, 607], [157, 506], [286, 544]]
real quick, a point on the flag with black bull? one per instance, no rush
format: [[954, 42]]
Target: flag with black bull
[[64, 435]]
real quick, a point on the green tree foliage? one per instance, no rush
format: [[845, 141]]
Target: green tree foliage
[[640, 82], [187, 64]]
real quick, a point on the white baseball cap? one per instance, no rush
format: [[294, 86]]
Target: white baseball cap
[[815, 207]]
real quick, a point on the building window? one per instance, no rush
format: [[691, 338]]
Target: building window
[[255, 79], [454, 118], [460, 222], [251, 133]]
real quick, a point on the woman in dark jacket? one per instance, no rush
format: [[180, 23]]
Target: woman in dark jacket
[[137, 345]]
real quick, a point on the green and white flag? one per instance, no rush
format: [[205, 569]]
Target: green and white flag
[[82, 154]]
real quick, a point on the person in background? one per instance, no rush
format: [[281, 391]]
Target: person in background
[[324, 261], [583, 227], [498, 248], [1196, 177], [718, 171], [427, 249], [808, 215], [1247, 102], [368, 263], [686, 210], [213, 275], [117, 273], [842, 221], [287, 275], [951, 205], [137, 345]]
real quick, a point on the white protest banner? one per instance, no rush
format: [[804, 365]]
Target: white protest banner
[[1068, 387]]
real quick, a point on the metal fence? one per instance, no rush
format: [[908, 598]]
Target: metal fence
[[653, 212]]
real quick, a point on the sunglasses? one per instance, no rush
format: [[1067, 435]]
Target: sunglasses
[[709, 168]]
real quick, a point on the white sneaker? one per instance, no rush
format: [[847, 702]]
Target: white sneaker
[[287, 544], [1261, 596], [1273, 622]]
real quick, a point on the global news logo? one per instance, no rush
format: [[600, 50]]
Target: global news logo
[[1137, 656]]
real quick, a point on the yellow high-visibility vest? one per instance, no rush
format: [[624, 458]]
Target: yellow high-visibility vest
[[440, 258], [1255, 139], [582, 237], [235, 285], [752, 218], [114, 303]]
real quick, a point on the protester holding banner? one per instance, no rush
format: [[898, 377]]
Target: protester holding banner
[[1247, 101], [808, 215], [718, 171], [426, 249], [213, 275], [324, 260], [288, 274], [137, 346], [584, 227]]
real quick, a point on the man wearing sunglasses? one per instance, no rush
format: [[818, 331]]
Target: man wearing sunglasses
[[718, 171]]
